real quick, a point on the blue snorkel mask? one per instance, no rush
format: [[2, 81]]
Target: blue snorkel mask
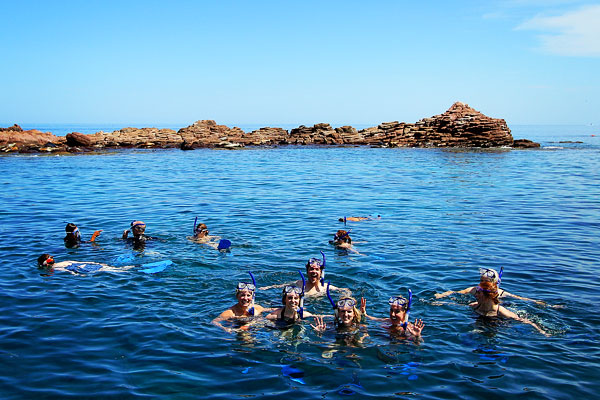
[[491, 275], [76, 233], [250, 287], [337, 238]]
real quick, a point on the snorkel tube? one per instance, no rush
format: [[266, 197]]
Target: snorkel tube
[[332, 302], [344, 220], [323, 268], [405, 324], [500, 275], [195, 221], [251, 309], [300, 309]]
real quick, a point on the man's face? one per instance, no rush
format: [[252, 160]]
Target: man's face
[[314, 272]]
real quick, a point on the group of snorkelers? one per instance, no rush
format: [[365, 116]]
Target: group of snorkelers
[[348, 314]]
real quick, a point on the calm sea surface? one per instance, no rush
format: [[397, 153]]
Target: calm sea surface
[[444, 214]]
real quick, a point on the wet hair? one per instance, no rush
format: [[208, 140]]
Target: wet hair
[[70, 227], [490, 290], [341, 219], [201, 227], [43, 258], [342, 236]]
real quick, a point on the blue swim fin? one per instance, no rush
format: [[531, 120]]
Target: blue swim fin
[[224, 244], [154, 267]]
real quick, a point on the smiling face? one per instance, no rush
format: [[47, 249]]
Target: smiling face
[[292, 300], [244, 298], [345, 316], [314, 272], [397, 314]]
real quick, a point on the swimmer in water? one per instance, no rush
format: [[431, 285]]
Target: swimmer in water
[[397, 322], [46, 261], [490, 275], [292, 309], [347, 316], [357, 219], [488, 305], [73, 236], [138, 228], [342, 240], [315, 284], [201, 235], [244, 309]]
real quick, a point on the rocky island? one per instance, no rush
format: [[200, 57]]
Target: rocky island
[[459, 126]]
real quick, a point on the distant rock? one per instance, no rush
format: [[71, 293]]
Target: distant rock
[[525, 144], [459, 126]]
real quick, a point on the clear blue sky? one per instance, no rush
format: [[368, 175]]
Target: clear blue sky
[[278, 62]]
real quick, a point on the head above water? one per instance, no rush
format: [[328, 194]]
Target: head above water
[[201, 228], [487, 290], [72, 232], [346, 312], [291, 291], [342, 236], [45, 260], [138, 227], [489, 275]]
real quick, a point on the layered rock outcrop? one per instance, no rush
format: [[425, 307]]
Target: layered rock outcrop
[[460, 126]]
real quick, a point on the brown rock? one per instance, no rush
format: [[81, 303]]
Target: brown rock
[[76, 139], [525, 144], [14, 128]]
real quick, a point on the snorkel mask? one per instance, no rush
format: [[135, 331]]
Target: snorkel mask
[[251, 287], [337, 238], [199, 228], [491, 275], [76, 233], [140, 224], [404, 303], [300, 310], [48, 261]]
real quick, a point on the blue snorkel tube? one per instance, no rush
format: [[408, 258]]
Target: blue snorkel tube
[[195, 221], [344, 220], [405, 324], [251, 309], [323, 269], [329, 297], [500, 275], [300, 310]]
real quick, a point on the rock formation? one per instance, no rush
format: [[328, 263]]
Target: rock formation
[[460, 126]]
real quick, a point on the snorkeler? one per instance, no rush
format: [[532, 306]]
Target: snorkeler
[[292, 309], [139, 238], [490, 275], [201, 235], [315, 285], [46, 261], [245, 308], [73, 236], [342, 240], [347, 317], [357, 219], [398, 321], [488, 305]]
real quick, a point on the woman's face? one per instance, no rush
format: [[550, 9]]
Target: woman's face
[[244, 298], [397, 314], [292, 300], [345, 316]]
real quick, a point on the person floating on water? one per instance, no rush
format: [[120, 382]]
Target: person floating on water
[[398, 323], [245, 308], [201, 235], [488, 305], [315, 283], [292, 309], [73, 236], [46, 261], [490, 275], [139, 239], [357, 219]]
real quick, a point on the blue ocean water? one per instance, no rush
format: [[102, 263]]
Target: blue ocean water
[[445, 212]]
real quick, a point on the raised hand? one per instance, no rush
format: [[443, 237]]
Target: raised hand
[[319, 325], [416, 328], [363, 305]]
